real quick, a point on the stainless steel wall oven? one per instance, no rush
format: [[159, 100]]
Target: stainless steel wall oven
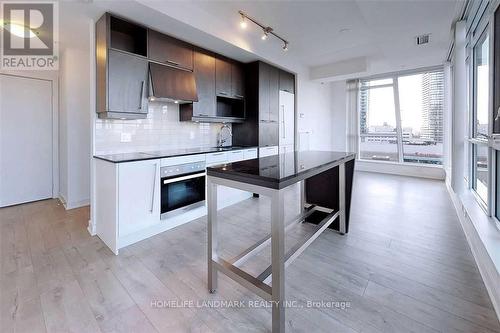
[[182, 188]]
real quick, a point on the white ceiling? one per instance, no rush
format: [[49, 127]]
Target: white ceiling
[[382, 31], [378, 29]]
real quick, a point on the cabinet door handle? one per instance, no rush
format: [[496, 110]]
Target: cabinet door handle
[[238, 96], [172, 62], [218, 154], [154, 189], [140, 96], [222, 93]]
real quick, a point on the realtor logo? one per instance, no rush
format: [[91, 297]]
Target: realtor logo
[[29, 36]]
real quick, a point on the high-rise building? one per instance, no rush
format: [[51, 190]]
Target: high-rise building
[[432, 106]]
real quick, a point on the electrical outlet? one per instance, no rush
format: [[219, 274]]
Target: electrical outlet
[[126, 137]]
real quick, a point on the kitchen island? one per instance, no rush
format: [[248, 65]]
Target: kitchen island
[[325, 179]]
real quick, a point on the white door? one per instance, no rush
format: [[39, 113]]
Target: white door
[[25, 140]]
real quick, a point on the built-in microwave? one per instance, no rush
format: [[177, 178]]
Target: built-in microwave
[[182, 188]]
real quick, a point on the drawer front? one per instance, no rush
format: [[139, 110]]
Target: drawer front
[[268, 151], [216, 158], [235, 156], [168, 161], [250, 154]]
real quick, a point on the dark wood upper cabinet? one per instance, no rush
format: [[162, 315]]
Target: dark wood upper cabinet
[[170, 51], [134, 61], [287, 82], [268, 93], [263, 91], [204, 72], [229, 78], [121, 69], [274, 94], [127, 77], [223, 77], [237, 80]]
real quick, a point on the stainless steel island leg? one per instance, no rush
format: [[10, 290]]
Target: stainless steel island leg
[[342, 204], [212, 234], [278, 261]]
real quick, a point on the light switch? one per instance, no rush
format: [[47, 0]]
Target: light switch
[[126, 137]]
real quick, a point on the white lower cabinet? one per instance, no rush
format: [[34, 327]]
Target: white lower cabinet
[[249, 154], [138, 195], [127, 197], [216, 158], [235, 156]]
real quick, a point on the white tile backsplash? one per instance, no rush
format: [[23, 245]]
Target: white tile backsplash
[[160, 130]]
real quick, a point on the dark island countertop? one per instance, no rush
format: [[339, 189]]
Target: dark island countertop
[[150, 155], [280, 171]]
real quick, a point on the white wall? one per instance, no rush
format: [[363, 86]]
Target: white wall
[[321, 110], [338, 109], [75, 102]]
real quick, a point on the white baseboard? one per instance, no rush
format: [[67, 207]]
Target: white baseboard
[[91, 229], [490, 272], [74, 204], [422, 171]]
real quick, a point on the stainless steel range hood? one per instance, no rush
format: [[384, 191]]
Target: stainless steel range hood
[[171, 84]]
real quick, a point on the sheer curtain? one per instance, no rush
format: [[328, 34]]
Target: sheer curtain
[[352, 91]]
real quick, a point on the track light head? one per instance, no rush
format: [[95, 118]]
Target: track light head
[[266, 33], [285, 46], [243, 23]]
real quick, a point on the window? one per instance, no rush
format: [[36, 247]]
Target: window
[[480, 171], [481, 85], [416, 100], [480, 118], [378, 134]]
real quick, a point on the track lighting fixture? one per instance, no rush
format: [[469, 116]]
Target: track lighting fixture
[[266, 30]]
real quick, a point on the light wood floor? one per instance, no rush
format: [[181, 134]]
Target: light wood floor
[[405, 266]]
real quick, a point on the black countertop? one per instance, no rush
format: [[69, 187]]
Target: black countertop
[[150, 155], [280, 171]]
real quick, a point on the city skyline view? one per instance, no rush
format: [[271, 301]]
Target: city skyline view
[[420, 98]]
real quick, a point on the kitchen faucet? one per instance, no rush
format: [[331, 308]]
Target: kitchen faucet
[[222, 140]]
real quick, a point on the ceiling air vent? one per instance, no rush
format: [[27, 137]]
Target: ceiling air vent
[[422, 39]]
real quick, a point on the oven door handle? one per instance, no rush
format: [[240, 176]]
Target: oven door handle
[[173, 180]]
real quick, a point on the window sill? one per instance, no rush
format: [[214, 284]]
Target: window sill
[[402, 169], [423, 165]]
